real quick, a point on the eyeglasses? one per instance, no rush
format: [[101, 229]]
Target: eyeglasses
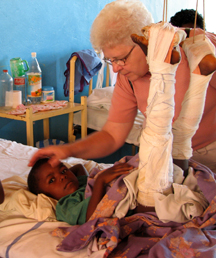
[[119, 61]]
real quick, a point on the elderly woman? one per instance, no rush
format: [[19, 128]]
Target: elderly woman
[[111, 33]]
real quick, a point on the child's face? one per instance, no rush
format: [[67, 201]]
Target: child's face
[[57, 182]]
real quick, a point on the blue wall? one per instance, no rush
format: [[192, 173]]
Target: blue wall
[[54, 29]]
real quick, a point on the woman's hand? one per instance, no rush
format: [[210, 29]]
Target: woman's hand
[[55, 153]]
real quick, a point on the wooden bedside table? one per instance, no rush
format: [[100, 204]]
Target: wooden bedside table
[[71, 107]]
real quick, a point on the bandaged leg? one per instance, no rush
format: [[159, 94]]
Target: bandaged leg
[[194, 100], [156, 165]]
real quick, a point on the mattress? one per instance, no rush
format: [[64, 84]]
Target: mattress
[[26, 220]]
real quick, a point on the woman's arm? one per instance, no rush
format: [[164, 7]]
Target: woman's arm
[[101, 181], [96, 145]]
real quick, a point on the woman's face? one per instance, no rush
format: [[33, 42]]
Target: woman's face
[[135, 65]]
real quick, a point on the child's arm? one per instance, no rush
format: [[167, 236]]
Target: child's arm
[[79, 170], [101, 181]]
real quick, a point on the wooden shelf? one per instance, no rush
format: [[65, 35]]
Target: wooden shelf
[[71, 107]]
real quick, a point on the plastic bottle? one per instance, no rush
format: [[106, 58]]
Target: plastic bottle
[[19, 68], [48, 94], [34, 81], [6, 90], [20, 84]]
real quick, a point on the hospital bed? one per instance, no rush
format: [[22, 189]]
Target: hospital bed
[[26, 221]]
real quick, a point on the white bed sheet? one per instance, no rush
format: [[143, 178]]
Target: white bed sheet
[[96, 118], [20, 235]]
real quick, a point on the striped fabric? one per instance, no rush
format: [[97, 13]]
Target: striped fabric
[[47, 142]]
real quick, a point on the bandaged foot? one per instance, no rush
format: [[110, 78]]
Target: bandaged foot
[[173, 56], [156, 166], [198, 53]]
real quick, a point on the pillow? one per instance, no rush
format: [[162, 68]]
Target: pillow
[[40, 207], [101, 98], [18, 198]]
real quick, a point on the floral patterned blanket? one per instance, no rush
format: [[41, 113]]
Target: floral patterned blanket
[[143, 234]]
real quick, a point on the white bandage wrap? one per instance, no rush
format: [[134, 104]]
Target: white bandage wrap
[[196, 48], [156, 166], [157, 142], [193, 104]]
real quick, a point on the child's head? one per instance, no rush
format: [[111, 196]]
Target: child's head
[[55, 182], [186, 18]]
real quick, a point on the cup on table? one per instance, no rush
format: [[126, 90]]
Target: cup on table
[[17, 67]]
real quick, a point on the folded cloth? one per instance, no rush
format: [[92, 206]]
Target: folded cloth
[[129, 201], [21, 109], [86, 66], [186, 202]]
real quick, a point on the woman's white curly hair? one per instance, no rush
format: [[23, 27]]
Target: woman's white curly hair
[[117, 21]]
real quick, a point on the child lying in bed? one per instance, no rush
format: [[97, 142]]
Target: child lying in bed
[[68, 186]]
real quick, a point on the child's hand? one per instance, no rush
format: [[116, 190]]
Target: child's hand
[[101, 180], [113, 172]]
